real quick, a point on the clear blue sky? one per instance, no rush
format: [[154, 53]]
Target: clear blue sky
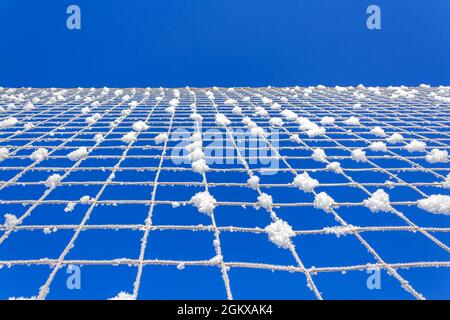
[[227, 43]]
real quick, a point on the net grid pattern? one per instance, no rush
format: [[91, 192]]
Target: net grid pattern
[[60, 127]]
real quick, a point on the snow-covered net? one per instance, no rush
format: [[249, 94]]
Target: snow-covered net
[[344, 194]]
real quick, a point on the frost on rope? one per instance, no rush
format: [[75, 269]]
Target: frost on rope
[[379, 201], [28, 126], [436, 203], [85, 199], [204, 202], [70, 206], [280, 233], [340, 230]]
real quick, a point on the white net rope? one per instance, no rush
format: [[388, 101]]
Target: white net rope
[[342, 130]]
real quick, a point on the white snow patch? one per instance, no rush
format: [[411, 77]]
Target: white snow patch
[[8, 122], [258, 132], [53, 180], [295, 138], [358, 155], [416, 146], [437, 156], [85, 199], [174, 103], [230, 102], [289, 115], [265, 201], [324, 201], [253, 182], [378, 131], [261, 112], [204, 202], [315, 131], [199, 166], [39, 155], [161, 138], [378, 146], [319, 155], [436, 203], [133, 104], [236, 110], [4, 153], [266, 100], [196, 117], [280, 233], [276, 122], [395, 138], [446, 183], [170, 110], [139, 126], [28, 106], [222, 120], [334, 166], [70, 206], [129, 137], [98, 138], [352, 121], [28, 126], [305, 182], [10, 220], [275, 106], [379, 201], [78, 154], [327, 120], [94, 118]]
